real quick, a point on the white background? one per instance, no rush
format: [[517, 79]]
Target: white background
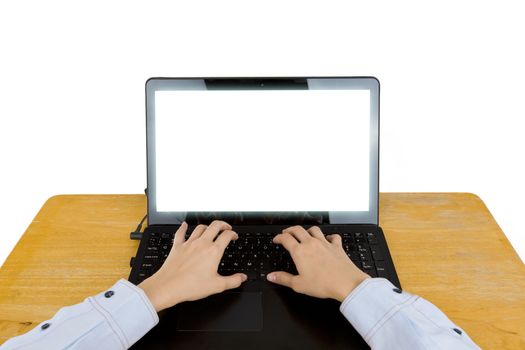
[[278, 150], [72, 88]]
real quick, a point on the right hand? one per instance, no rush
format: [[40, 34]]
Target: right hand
[[324, 269]]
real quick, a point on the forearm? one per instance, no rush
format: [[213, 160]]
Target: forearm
[[113, 319], [388, 318]]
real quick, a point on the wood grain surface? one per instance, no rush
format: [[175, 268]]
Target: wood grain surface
[[446, 247]]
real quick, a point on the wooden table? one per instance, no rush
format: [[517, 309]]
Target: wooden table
[[446, 247]]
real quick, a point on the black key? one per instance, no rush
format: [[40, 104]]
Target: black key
[[360, 240], [353, 255], [376, 254], [367, 266], [381, 270], [364, 256], [362, 248], [223, 265], [380, 264], [347, 238], [372, 239]]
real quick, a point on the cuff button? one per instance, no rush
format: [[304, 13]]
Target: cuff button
[[109, 294], [397, 290], [45, 326]]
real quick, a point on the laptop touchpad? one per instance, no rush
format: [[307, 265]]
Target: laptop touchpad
[[225, 312]]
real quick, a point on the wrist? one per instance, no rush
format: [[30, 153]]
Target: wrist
[[348, 287], [150, 288]]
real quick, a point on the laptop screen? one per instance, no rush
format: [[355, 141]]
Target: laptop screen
[[262, 150]]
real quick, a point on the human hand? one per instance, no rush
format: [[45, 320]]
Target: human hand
[[190, 270], [324, 269]]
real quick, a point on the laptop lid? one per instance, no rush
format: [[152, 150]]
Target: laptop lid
[[279, 150]]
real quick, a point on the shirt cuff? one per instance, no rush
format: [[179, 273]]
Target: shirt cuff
[[372, 303], [128, 311]]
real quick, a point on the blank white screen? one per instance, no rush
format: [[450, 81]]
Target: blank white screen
[[262, 150]]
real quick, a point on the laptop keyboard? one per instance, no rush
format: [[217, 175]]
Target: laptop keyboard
[[256, 255]]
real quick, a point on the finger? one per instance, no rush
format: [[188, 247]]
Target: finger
[[234, 281], [215, 227], [298, 232], [179, 235], [225, 237], [197, 232], [287, 241], [283, 278], [316, 232], [335, 239]]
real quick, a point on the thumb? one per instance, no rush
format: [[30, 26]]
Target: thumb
[[283, 278], [234, 280]]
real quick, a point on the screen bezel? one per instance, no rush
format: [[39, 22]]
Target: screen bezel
[[264, 83]]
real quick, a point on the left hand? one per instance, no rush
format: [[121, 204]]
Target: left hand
[[190, 270]]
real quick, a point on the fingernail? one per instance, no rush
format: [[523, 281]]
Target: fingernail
[[271, 277], [244, 277]]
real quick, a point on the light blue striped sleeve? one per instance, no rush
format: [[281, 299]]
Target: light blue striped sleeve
[[388, 318], [113, 319]]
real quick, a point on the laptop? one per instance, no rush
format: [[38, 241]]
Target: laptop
[[262, 154]]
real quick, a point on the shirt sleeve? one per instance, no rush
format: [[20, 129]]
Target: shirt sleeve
[[113, 319], [388, 318]]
